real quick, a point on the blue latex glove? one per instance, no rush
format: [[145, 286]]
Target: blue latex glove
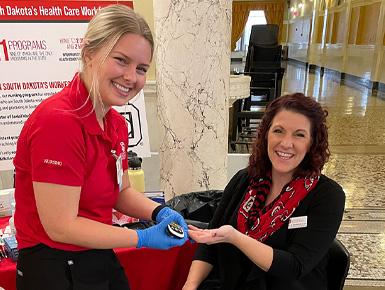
[[176, 217], [156, 237]]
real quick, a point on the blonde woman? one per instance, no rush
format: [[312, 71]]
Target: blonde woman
[[71, 164]]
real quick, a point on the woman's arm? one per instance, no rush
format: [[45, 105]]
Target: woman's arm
[[199, 270], [205, 255], [58, 205], [259, 253]]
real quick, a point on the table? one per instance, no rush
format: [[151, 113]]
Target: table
[[145, 268]]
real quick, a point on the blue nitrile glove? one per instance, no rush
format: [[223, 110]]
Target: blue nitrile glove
[[176, 217], [166, 212], [156, 237]]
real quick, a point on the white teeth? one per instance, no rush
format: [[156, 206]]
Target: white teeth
[[121, 88], [284, 154]]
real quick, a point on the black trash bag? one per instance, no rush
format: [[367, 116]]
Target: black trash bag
[[137, 225], [199, 206]]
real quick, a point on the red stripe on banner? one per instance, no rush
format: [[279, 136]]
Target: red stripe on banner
[[53, 10]]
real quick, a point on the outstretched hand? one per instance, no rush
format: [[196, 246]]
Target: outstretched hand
[[224, 234]]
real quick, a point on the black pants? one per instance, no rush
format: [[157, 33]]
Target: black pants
[[44, 268]]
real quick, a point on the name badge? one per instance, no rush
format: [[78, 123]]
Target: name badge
[[119, 168], [297, 222], [119, 171]]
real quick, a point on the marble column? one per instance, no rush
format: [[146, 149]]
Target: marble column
[[192, 40]]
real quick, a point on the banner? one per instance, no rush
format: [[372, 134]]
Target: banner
[[53, 10], [40, 44]]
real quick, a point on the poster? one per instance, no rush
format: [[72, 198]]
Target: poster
[[40, 44]]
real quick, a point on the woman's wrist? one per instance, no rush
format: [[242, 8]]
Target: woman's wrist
[[190, 286], [156, 211], [235, 237]]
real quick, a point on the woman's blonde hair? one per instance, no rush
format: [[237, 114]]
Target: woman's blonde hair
[[104, 31], [108, 25]]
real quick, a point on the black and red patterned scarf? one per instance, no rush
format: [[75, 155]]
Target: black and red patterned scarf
[[260, 222]]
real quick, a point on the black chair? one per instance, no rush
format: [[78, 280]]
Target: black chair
[[264, 54], [263, 59], [338, 265], [266, 61]]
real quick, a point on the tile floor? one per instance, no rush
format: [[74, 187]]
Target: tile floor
[[356, 123]]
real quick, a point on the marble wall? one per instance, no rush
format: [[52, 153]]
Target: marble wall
[[151, 170], [192, 76]]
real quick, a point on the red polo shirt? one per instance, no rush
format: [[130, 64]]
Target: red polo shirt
[[62, 143]]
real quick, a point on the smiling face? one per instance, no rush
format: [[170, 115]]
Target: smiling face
[[123, 73], [288, 141]]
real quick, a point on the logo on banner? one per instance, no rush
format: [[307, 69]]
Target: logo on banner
[[135, 135], [24, 50], [4, 52]]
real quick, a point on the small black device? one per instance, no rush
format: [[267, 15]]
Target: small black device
[[175, 230]]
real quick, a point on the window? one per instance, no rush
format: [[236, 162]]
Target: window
[[255, 17]]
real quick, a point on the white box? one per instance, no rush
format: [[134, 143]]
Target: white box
[[6, 195]]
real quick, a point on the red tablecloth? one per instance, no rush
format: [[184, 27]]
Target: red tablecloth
[[145, 268]]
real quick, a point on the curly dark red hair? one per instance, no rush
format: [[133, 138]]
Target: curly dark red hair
[[318, 155]]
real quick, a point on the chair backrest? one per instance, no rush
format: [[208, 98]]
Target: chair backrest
[[264, 34], [267, 53], [263, 56], [338, 265]]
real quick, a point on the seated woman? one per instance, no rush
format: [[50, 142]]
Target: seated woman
[[278, 217]]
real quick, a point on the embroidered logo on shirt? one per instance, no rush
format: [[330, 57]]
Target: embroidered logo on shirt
[[123, 154], [53, 162]]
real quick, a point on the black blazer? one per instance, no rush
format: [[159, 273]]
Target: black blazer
[[300, 255]]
